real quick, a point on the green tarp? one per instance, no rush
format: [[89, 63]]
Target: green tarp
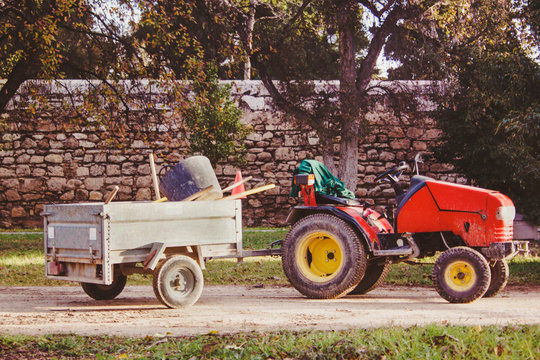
[[325, 182]]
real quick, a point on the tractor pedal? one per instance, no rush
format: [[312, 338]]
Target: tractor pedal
[[403, 250]]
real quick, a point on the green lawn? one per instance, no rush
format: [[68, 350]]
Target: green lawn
[[22, 264]]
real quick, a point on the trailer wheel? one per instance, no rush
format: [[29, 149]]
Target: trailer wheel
[[373, 278], [106, 292], [461, 275], [499, 277], [178, 282], [323, 257]]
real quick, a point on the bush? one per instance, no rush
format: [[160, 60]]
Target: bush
[[213, 119], [492, 125]]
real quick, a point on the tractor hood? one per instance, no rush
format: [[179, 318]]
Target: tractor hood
[[430, 205]]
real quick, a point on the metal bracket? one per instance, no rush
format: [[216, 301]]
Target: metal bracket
[[54, 251], [154, 256], [91, 251]]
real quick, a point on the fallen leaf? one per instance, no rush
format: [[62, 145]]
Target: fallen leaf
[[208, 348], [233, 347], [498, 350]]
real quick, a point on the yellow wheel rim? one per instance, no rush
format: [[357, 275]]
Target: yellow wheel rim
[[319, 256], [460, 275]]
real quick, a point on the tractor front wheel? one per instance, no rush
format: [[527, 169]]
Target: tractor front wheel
[[461, 275], [323, 257], [499, 277]]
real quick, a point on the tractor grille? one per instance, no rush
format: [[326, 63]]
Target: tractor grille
[[503, 233]]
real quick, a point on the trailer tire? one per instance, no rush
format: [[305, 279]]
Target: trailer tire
[[461, 275], [373, 278], [323, 257], [499, 277], [106, 292], [178, 282]]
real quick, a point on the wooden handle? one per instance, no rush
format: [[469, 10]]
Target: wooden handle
[[112, 195], [250, 192], [198, 194], [154, 177], [236, 184]]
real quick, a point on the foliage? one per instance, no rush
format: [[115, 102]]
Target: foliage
[[48, 39], [330, 39], [303, 50], [88, 39], [489, 112], [418, 342], [529, 10], [174, 33], [213, 119]]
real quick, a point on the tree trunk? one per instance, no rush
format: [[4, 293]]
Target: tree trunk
[[348, 151], [249, 44], [18, 75], [327, 150]]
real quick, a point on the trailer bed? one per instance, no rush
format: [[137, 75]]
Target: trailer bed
[[83, 242]]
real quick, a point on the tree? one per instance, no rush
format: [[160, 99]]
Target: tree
[[214, 120], [55, 39], [490, 113], [30, 34], [51, 39], [332, 113]]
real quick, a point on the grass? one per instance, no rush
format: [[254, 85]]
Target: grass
[[427, 342], [22, 264]]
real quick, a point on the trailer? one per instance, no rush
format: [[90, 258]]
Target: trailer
[[100, 244]]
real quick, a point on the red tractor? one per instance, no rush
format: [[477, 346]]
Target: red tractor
[[339, 246]]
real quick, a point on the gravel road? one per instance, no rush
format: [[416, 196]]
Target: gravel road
[[226, 309]]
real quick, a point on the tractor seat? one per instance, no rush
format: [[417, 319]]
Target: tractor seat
[[329, 199]]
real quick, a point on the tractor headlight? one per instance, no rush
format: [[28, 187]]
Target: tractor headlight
[[506, 213]]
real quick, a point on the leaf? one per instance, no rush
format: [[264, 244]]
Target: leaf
[[210, 347], [498, 350]]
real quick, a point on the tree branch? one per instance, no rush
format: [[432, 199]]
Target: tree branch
[[18, 75]]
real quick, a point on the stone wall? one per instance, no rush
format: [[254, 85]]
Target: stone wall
[[44, 161]]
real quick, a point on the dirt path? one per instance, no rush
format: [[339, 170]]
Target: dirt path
[[136, 312]]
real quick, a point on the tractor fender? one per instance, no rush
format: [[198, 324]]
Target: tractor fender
[[359, 225]]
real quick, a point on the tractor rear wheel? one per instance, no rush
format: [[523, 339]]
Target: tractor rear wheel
[[373, 278], [461, 275], [323, 257], [499, 278]]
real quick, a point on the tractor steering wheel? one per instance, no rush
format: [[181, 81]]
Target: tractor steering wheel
[[392, 175]]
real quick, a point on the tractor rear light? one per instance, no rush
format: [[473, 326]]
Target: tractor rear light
[[304, 179], [506, 213]]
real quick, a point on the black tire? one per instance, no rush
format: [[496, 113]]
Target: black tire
[[178, 282], [373, 278], [461, 275], [106, 292], [499, 278], [323, 257]]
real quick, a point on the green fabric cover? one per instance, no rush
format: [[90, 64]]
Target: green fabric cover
[[325, 182]]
